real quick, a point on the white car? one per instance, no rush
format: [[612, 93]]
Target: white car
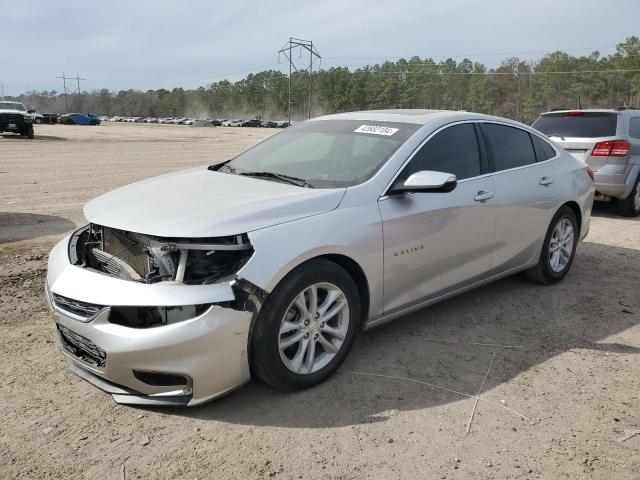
[[183, 286], [232, 123], [36, 117]]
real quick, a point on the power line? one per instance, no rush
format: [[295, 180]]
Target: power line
[[494, 54], [568, 72], [220, 76]]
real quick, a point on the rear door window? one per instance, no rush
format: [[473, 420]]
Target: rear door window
[[577, 124], [509, 147], [544, 151]]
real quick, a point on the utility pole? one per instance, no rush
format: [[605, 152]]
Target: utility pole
[[517, 77], [2, 85], [78, 79], [287, 51], [64, 89]]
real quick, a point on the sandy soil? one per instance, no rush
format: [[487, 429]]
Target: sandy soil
[[560, 364]]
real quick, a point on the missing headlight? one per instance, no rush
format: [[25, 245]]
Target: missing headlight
[[144, 258]]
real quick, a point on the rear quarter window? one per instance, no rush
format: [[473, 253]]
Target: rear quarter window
[[634, 127], [583, 125], [544, 151]]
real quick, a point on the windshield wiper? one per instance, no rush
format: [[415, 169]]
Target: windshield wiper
[[300, 182], [219, 166]]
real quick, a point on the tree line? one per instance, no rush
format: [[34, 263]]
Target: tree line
[[516, 89]]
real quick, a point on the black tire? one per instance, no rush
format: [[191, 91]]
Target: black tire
[[266, 363], [630, 206], [542, 272], [27, 132]]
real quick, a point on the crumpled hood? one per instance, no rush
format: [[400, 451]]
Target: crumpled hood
[[202, 203]]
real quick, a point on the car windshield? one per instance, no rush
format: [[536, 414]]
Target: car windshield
[[577, 124], [324, 153], [12, 106]]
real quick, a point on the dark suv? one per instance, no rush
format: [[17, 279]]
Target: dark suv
[[609, 142]]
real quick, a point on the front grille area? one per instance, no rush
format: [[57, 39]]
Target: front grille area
[[81, 347], [82, 309], [11, 118]]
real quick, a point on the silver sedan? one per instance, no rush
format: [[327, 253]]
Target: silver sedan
[[183, 286]]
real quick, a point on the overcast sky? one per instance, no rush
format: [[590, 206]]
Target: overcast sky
[[146, 44]]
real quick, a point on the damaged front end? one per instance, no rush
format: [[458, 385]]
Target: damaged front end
[[149, 259], [153, 320]]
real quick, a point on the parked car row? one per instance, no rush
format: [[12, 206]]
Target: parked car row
[[216, 122]]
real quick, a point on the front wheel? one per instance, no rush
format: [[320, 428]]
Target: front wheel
[[630, 206], [558, 249], [28, 132], [306, 326]]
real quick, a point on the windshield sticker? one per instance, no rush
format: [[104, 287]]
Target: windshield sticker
[[376, 130]]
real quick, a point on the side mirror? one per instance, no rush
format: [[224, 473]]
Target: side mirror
[[427, 181]]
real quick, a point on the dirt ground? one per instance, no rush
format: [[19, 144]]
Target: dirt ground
[[552, 373]]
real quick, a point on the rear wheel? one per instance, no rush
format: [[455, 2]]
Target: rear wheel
[[630, 206], [558, 249], [306, 326]]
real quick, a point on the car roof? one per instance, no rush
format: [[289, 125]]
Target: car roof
[[414, 116]]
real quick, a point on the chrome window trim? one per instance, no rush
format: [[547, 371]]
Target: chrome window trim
[[385, 195]]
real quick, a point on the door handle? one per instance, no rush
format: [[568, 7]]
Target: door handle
[[483, 196], [546, 181]]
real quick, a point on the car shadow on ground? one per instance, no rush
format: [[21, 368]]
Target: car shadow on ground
[[17, 226], [531, 323], [36, 137]]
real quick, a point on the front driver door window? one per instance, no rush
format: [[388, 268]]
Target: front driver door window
[[437, 242]]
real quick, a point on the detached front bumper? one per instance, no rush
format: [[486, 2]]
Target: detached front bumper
[[185, 363]]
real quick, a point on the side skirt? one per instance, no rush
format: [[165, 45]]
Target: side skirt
[[430, 301]]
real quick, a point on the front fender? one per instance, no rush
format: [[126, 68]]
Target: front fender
[[355, 232]]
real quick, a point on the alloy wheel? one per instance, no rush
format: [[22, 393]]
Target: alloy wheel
[[313, 328], [561, 245]]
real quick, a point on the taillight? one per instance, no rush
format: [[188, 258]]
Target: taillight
[[611, 148], [575, 113], [591, 174]]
